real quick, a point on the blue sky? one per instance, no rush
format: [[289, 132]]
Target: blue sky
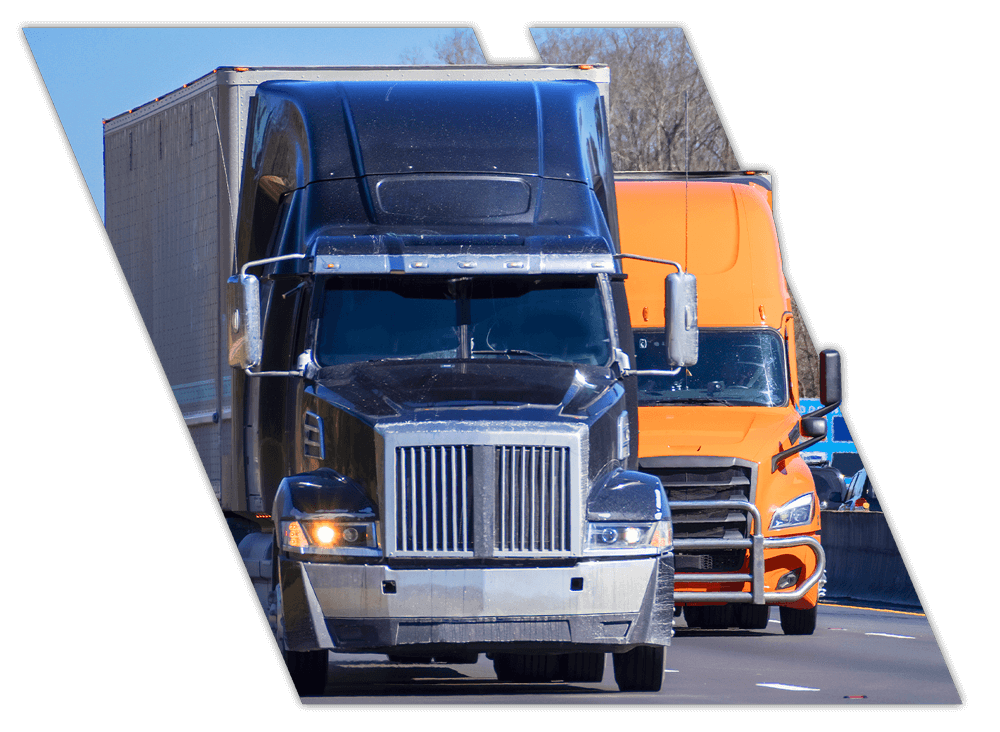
[[93, 74]]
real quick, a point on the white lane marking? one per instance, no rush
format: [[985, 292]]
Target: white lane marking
[[670, 671], [893, 635], [787, 687]]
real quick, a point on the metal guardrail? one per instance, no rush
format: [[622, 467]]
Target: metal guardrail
[[756, 543]]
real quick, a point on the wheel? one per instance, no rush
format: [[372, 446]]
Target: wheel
[[710, 617], [751, 617], [503, 667], [308, 670], [640, 669], [798, 622], [526, 667], [585, 667]]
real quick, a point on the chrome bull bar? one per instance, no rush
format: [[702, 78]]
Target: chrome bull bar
[[757, 543]]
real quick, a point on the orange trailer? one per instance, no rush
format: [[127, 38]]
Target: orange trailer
[[724, 435]]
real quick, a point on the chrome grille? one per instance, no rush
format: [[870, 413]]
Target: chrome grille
[[689, 479], [532, 499], [433, 499], [464, 490]]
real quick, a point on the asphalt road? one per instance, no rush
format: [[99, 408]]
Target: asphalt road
[[856, 657]]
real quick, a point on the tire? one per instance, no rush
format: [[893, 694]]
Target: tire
[[308, 670], [710, 617], [798, 622], [526, 667], [640, 669], [583, 667], [751, 617]]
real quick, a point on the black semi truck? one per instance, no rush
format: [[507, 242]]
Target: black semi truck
[[416, 401]]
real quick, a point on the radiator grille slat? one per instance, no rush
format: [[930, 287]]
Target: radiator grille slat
[[435, 497], [685, 482], [533, 498]]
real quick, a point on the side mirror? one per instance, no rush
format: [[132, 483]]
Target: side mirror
[[829, 377], [680, 313], [813, 426], [243, 308]]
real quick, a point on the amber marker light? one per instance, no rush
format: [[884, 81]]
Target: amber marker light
[[295, 536], [662, 538]]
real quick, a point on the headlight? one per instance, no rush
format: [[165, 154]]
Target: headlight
[[639, 537], [325, 536], [797, 512]]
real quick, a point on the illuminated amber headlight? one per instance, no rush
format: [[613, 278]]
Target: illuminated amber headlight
[[320, 536]]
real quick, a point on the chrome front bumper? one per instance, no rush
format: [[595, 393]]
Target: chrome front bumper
[[375, 608]]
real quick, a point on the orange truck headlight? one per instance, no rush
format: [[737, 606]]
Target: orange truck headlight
[[797, 512]]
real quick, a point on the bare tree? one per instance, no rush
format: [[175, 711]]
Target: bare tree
[[653, 72], [413, 55], [458, 47]]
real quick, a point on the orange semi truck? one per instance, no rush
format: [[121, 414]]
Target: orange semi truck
[[724, 436]]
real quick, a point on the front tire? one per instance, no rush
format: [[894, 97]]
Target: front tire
[[798, 622], [583, 667], [526, 667], [640, 669], [709, 617], [751, 617], [308, 670]]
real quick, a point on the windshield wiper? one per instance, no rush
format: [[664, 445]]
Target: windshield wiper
[[509, 352], [698, 400]]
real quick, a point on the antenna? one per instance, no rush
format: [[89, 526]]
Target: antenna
[[687, 171]]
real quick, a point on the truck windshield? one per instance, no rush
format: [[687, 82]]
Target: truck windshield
[[550, 318], [736, 367]]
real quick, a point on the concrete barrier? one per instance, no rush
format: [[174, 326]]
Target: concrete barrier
[[862, 560]]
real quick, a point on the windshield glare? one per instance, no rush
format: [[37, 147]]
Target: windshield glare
[[551, 318], [735, 367]]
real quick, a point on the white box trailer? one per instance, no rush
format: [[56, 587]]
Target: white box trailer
[[172, 173]]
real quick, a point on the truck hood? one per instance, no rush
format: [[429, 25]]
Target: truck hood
[[425, 390], [745, 432]]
